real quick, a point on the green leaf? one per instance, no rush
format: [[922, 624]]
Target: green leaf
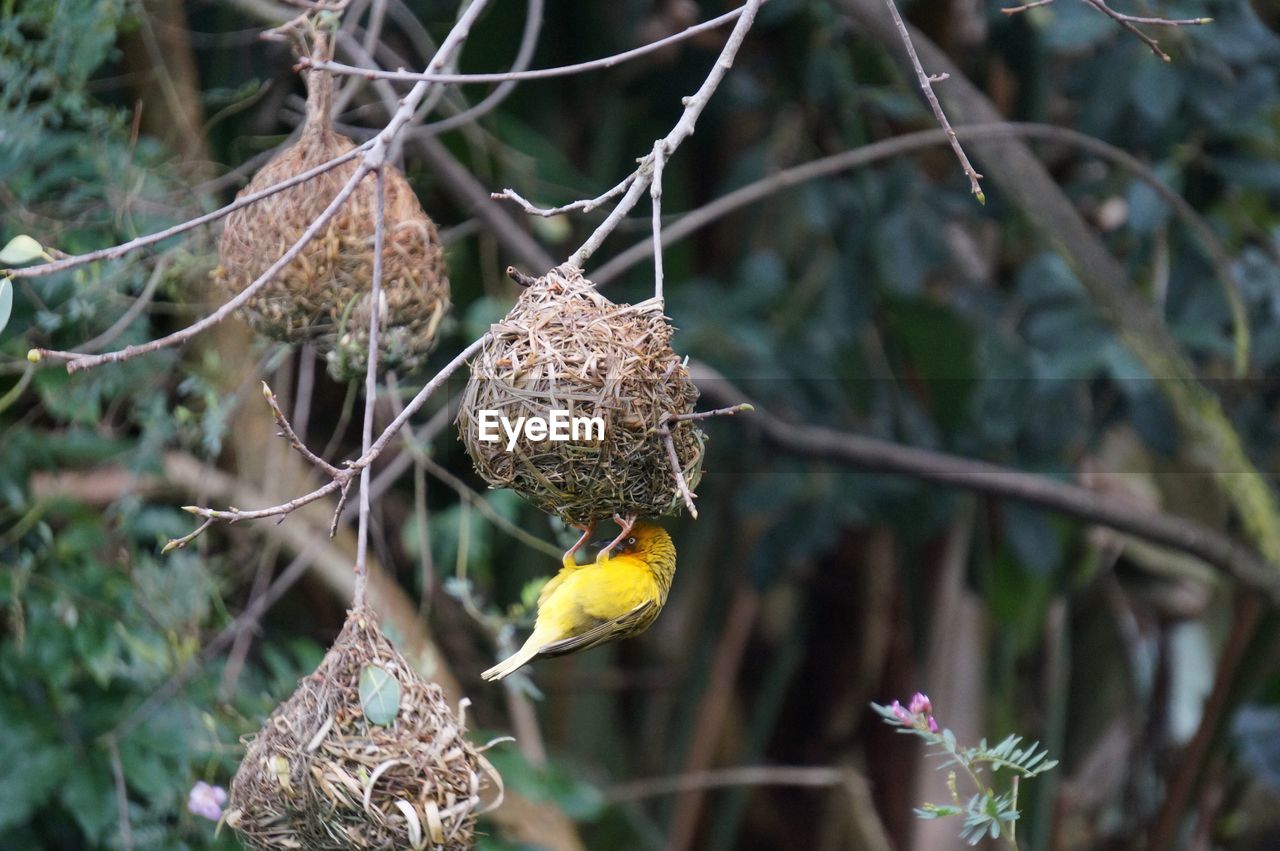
[[22, 249], [6, 302], [379, 695]]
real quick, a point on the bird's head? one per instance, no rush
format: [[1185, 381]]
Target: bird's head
[[648, 542]]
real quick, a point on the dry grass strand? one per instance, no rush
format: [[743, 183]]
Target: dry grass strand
[[323, 295], [320, 776], [565, 346]]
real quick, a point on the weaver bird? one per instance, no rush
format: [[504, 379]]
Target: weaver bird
[[616, 596]]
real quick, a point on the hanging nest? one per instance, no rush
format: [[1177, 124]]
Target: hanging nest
[[566, 347], [320, 775], [322, 296]]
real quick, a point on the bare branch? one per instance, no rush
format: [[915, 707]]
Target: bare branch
[[235, 515], [286, 430], [926, 85], [693, 107], [117, 251], [122, 794], [77, 361], [585, 206], [867, 453], [1129, 22], [720, 778], [373, 158], [524, 55], [370, 387], [655, 199], [179, 543], [344, 476], [898, 145], [674, 458], [535, 74], [718, 412]]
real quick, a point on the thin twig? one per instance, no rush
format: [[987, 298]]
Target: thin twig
[[655, 197], [287, 431], [586, 205], [179, 543], [524, 55], [79, 360], [1013, 10], [870, 454], [701, 217], [1127, 21], [306, 386], [926, 85], [535, 74], [346, 475], [235, 515], [674, 458], [718, 412], [126, 319], [373, 158], [122, 793], [693, 107], [370, 387], [721, 778], [124, 248]]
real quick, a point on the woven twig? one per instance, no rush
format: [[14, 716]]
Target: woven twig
[[564, 346], [322, 296], [320, 776]]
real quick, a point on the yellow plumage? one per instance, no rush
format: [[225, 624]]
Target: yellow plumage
[[616, 596]]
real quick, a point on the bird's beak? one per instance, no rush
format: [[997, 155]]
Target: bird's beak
[[601, 543]]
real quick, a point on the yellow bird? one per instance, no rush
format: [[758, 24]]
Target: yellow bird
[[616, 596]]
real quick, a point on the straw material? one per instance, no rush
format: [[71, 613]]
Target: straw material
[[322, 296], [320, 776], [564, 346]]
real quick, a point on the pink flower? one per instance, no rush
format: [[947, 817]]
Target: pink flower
[[920, 704], [901, 714], [933, 725], [206, 801]]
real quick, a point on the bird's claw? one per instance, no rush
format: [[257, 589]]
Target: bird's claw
[[587, 531], [626, 523]]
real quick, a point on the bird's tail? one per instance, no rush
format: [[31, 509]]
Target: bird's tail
[[514, 661]]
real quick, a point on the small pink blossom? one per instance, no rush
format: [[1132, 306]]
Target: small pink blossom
[[206, 801], [933, 725], [901, 714], [920, 704]]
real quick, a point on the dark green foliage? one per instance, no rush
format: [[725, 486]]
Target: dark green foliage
[[881, 301]]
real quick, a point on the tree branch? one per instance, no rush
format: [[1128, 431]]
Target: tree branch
[[683, 129], [534, 74], [926, 86], [879, 456]]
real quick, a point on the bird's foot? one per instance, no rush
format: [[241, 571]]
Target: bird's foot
[[587, 531], [626, 523]]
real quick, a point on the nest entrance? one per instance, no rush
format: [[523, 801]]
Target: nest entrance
[[320, 775], [566, 347]]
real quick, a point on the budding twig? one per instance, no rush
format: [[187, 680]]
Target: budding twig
[[286, 430], [926, 85]]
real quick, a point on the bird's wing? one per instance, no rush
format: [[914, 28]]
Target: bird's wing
[[624, 624], [554, 582]]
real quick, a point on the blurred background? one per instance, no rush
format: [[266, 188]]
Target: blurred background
[[875, 301]]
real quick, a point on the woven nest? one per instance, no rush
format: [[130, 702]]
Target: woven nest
[[322, 296], [564, 346], [320, 776]]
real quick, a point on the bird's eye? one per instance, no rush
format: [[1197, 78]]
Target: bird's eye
[[631, 542]]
